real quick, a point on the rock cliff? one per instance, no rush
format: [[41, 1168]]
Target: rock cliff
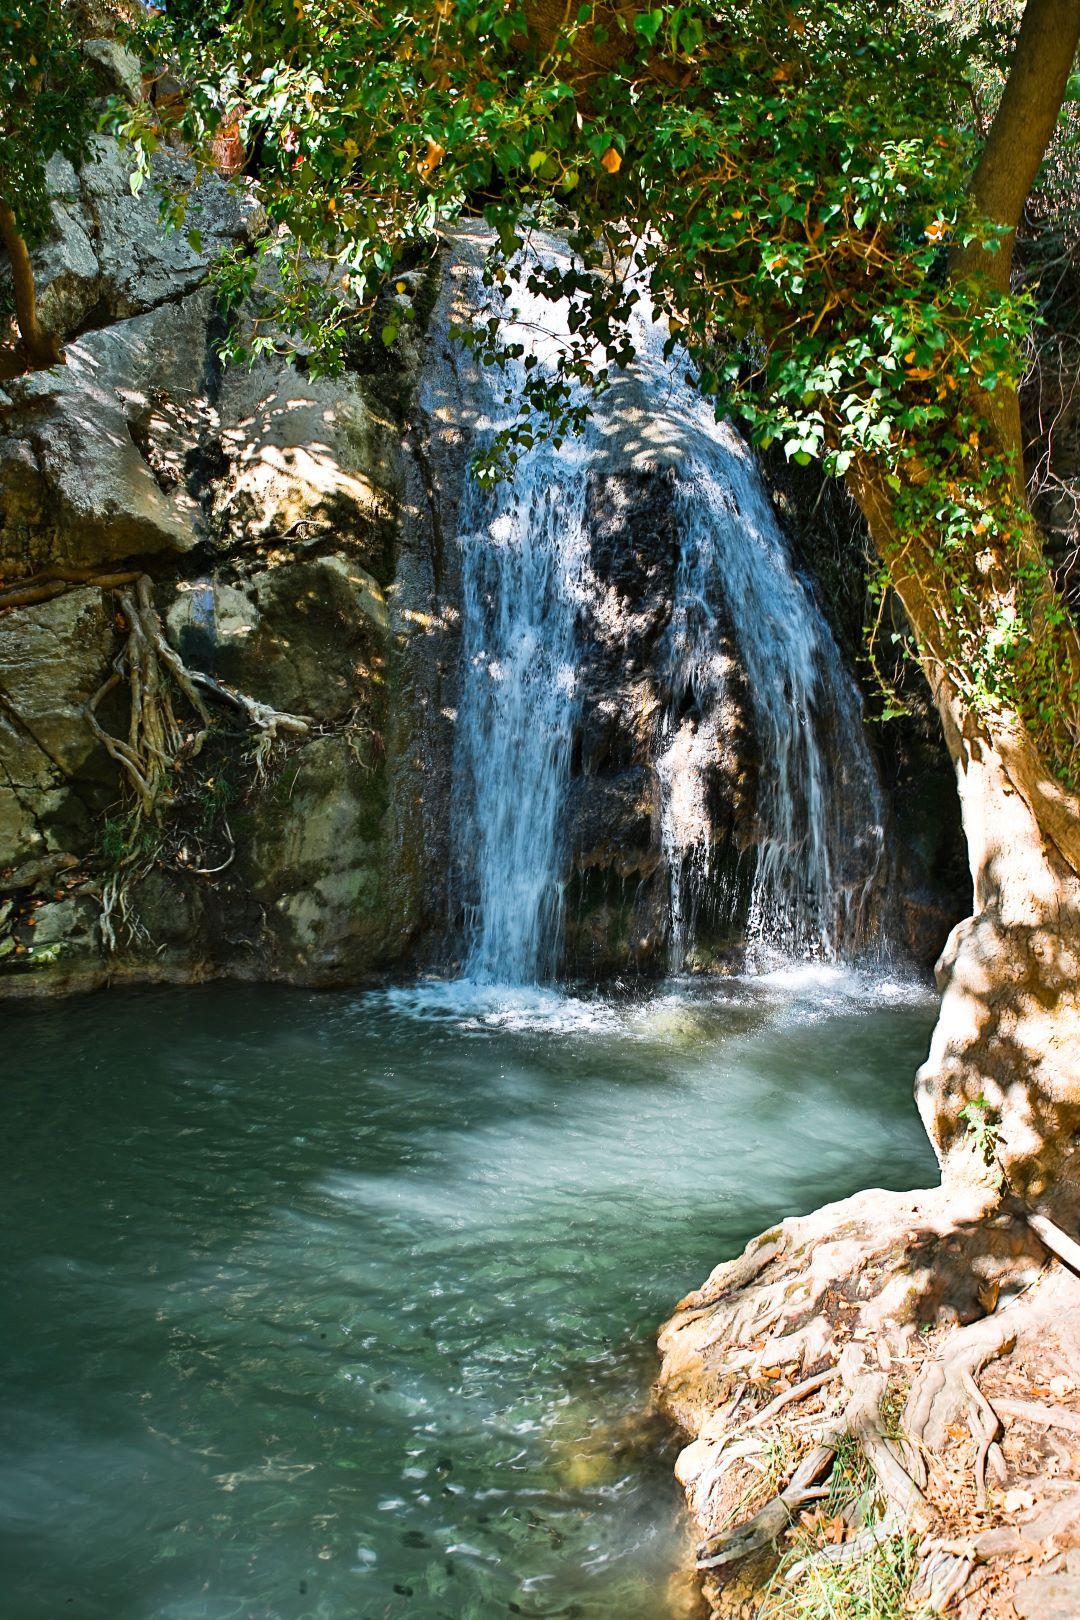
[[291, 539]]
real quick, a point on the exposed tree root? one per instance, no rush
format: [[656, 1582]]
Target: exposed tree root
[[160, 740], [53, 582], [270, 725], [156, 742], [882, 1315]]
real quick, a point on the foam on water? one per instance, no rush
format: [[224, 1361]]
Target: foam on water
[[795, 993]]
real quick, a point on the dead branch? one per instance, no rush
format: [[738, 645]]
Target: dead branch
[[1058, 1242], [774, 1518]]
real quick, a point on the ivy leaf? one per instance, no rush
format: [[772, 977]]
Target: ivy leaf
[[647, 25]]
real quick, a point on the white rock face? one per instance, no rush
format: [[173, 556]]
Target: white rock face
[[92, 467]]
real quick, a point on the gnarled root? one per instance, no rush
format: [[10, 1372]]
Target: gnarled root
[[159, 742], [876, 1318], [156, 740]]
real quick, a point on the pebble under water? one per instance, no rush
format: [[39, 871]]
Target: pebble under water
[[343, 1307]]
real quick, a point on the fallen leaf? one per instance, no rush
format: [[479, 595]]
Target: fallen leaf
[[988, 1293], [611, 161], [1017, 1501]]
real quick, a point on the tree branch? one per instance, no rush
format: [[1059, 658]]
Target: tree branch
[[1023, 124], [39, 350]]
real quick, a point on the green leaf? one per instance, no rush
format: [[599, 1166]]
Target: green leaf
[[647, 25]]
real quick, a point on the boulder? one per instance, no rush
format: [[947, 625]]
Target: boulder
[[66, 269], [318, 861], [53, 657], [307, 636], [94, 455], [306, 456], [110, 254], [116, 69]]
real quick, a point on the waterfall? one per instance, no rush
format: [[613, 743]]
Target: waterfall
[[523, 550], [806, 877], [819, 804], [820, 840]]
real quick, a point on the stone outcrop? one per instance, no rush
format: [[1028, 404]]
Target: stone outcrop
[[266, 508], [298, 533]]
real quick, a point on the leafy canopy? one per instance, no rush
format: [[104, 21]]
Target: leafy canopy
[[787, 180], [45, 103]]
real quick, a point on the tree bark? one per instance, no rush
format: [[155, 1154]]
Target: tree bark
[[1007, 1038], [38, 350], [1021, 130], [1008, 1034]]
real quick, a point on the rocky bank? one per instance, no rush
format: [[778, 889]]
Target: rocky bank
[[296, 537]]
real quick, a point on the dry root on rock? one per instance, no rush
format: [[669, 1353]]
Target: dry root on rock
[[157, 742], [871, 1316], [160, 741]]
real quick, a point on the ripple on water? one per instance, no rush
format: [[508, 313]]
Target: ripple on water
[[328, 1307]]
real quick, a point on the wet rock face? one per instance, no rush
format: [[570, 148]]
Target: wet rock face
[[930, 884], [300, 536], [617, 911], [616, 901], [265, 506]]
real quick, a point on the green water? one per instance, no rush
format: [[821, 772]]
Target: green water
[[343, 1307]]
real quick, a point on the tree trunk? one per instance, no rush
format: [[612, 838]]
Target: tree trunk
[[1007, 1041], [37, 348]]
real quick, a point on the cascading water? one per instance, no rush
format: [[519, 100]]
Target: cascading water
[[523, 549], [820, 836], [809, 869]]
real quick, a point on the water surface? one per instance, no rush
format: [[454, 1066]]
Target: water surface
[[343, 1308]]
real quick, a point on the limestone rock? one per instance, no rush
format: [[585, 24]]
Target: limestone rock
[[93, 459], [110, 255], [1048, 1597], [308, 637], [53, 657], [143, 263], [116, 69], [318, 860], [305, 455], [66, 269]]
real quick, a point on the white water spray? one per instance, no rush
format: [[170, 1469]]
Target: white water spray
[[816, 851], [523, 551]]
